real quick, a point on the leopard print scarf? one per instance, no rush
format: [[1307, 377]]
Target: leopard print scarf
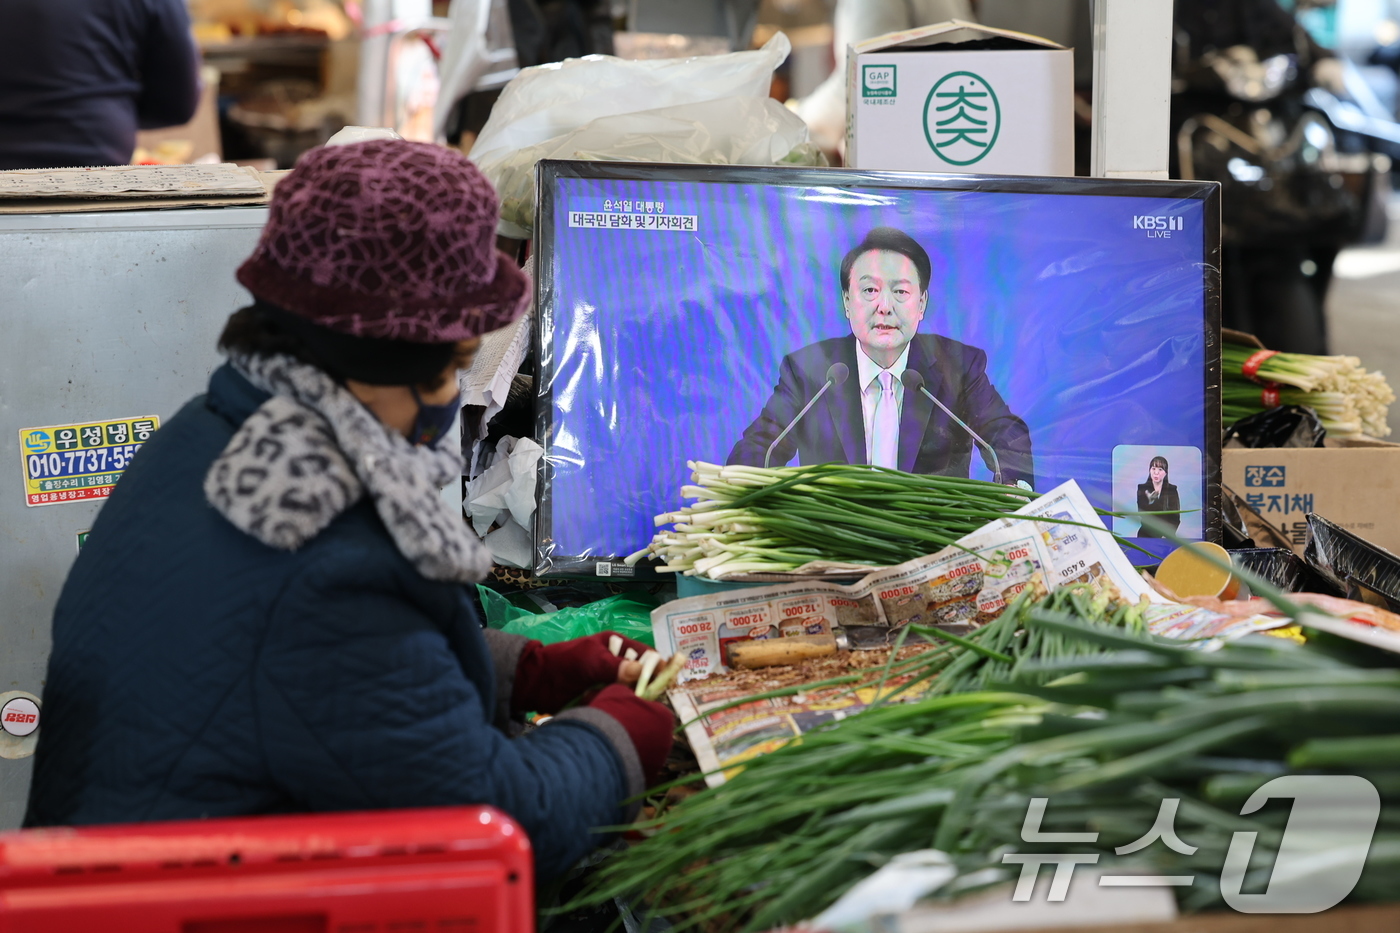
[[312, 451]]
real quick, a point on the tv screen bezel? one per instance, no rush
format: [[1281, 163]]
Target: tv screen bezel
[[550, 171]]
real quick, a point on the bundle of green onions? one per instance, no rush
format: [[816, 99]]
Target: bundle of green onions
[[1106, 734], [764, 520], [1007, 648], [1349, 400]]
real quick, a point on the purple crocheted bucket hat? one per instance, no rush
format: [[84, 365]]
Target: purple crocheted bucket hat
[[388, 239]]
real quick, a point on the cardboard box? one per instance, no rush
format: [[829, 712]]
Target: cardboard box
[[960, 98], [1352, 482]]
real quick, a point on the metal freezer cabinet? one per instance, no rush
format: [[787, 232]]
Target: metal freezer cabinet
[[104, 317]]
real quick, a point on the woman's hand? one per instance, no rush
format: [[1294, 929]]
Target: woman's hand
[[629, 672], [549, 677]]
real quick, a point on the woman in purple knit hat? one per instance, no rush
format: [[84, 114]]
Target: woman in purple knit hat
[[269, 614]]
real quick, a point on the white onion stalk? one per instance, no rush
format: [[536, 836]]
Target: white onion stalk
[[649, 662], [852, 513]]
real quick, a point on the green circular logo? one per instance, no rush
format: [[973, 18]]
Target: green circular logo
[[962, 118]]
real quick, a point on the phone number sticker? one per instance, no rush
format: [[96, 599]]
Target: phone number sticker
[[72, 462]]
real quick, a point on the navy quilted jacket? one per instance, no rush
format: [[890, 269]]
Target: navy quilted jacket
[[197, 672]]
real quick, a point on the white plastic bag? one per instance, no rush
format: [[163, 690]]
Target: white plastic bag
[[733, 131], [505, 492], [712, 108], [479, 48], [550, 100]]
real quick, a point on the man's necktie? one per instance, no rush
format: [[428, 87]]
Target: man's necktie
[[884, 447]]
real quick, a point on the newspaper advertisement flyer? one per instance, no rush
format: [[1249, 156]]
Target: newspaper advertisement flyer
[[1078, 554], [1206, 628], [957, 588], [730, 737]]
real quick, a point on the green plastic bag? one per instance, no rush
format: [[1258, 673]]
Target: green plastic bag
[[628, 615]]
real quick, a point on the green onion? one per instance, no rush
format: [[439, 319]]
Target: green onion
[[751, 519], [1348, 400], [1141, 720]]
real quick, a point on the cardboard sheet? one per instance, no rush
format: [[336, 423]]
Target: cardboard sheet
[[132, 187], [132, 181]]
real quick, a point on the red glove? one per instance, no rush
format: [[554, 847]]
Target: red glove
[[649, 725], [550, 677]]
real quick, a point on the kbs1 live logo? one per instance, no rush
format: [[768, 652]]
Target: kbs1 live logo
[[1159, 227]]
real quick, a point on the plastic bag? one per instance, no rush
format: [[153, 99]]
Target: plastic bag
[[505, 493], [479, 51], [627, 614], [547, 101], [1354, 565], [732, 131], [1283, 568], [708, 109], [1284, 426]]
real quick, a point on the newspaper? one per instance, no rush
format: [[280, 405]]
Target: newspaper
[[1204, 628], [960, 587], [733, 734], [486, 383], [957, 588], [730, 737]]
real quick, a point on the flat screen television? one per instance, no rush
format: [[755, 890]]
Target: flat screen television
[[689, 312]]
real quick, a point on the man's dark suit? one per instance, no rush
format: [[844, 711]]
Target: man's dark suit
[[929, 441]]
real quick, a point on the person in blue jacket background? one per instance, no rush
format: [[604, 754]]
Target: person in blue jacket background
[[79, 77], [269, 615]]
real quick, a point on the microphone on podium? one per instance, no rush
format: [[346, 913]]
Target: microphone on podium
[[836, 374], [914, 382]]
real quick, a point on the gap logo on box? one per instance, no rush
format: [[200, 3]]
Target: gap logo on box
[[1264, 475], [877, 81]]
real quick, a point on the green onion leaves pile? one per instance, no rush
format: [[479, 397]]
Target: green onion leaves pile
[[1009, 648], [757, 520], [1105, 728]]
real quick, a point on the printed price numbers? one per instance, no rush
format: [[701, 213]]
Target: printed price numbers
[[1073, 569], [801, 609]]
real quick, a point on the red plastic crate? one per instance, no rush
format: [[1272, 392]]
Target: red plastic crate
[[442, 870]]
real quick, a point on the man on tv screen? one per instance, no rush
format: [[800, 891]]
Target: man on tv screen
[[874, 413]]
